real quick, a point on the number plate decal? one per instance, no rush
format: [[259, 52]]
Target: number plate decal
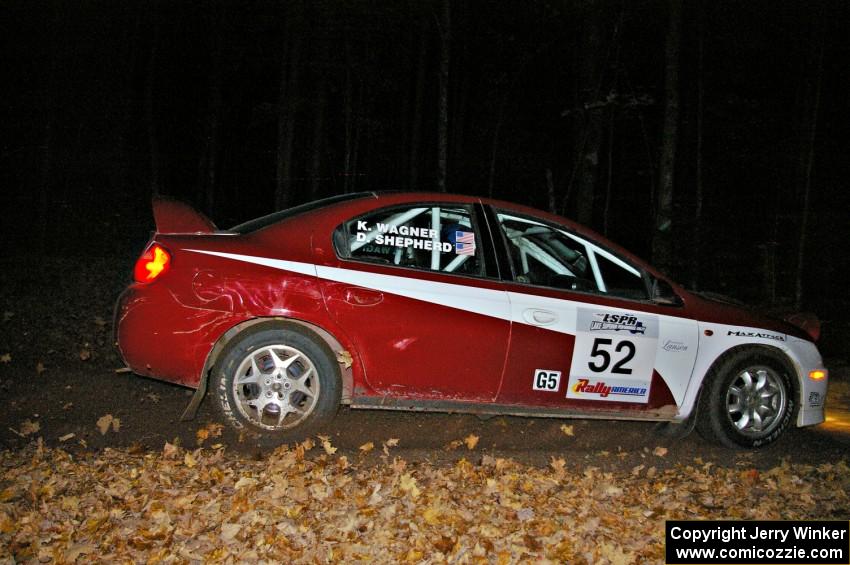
[[546, 380], [614, 356]]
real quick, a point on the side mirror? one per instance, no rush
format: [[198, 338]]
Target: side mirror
[[662, 293]]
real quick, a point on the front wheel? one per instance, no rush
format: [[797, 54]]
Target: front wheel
[[279, 384], [747, 400]]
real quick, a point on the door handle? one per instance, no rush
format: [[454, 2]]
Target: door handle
[[362, 296], [538, 317]]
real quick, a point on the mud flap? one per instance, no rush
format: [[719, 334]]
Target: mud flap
[[192, 407]]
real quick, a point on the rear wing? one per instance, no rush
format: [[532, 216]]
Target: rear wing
[[173, 216]]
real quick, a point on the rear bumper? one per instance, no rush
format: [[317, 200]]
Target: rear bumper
[[157, 336]]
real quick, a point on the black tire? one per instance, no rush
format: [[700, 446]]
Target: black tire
[[253, 405], [727, 405]]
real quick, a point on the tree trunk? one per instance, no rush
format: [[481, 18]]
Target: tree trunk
[[592, 69], [609, 161], [287, 109], [698, 197], [807, 158], [150, 116], [443, 98], [416, 127], [319, 125], [550, 192], [213, 122], [494, 148], [662, 237]]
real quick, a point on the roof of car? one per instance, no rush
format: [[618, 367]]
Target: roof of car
[[274, 217]]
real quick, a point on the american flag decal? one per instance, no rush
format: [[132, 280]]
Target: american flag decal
[[464, 243]]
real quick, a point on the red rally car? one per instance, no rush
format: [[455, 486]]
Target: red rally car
[[418, 301]]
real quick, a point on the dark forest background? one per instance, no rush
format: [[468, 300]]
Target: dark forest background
[[706, 136]]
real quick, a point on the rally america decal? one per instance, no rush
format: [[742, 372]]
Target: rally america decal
[[614, 356]]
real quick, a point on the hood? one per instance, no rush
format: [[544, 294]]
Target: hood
[[722, 310]]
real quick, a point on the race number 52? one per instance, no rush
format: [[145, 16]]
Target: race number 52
[[606, 351], [546, 380]]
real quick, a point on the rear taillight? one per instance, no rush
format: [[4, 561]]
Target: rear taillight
[[153, 263]]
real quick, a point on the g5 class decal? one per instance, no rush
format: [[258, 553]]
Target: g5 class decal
[[614, 356], [546, 380]]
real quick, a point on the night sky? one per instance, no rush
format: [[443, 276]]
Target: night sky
[[106, 103]]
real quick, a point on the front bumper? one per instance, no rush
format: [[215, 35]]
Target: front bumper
[[812, 397]]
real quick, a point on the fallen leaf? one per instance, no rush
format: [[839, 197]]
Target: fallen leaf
[[367, 447], [326, 445], [208, 431], [452, 445], [189, 460], [40, 368], [66, 437], [568, 430], [392, 442], [660, 451], [229, 532], [344, 358], [525, 514], [245, 482], [124, 370], [29, 428], [408, 485], [471, 441], [558, 465], [104, 422], [99, 321], [431, 516], [85, 354], [6, 358], [170, 450]]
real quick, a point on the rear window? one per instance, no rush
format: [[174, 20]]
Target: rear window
[[275, 217]]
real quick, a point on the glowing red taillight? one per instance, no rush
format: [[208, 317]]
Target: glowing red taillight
[[153, 263]]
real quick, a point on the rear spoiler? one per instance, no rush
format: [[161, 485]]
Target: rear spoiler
[[173, 216]]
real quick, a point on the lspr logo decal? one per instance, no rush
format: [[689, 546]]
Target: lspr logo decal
[[617, 322]]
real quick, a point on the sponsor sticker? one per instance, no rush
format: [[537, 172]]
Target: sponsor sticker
[[613, 356], [427, 239], [759, 335], [546, 380], [620, 389], [815, 399], [674, 346]]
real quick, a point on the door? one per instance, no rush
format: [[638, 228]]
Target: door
[[586, 335], [411, 288]]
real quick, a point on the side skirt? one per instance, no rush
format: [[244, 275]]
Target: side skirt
[[663, 414]]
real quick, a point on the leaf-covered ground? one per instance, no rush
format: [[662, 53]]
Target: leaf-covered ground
[[307, 504]]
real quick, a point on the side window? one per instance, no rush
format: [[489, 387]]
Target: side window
[[436, 238], [547, 256]]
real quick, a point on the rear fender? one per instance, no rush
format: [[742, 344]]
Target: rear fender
[[347, 366]]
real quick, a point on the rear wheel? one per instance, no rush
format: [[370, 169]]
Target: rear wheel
[[279, 384], [747, 400]]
